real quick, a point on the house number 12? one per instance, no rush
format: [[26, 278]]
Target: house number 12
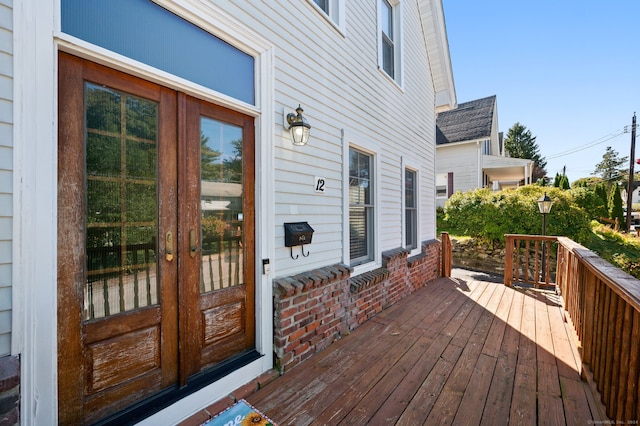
[[319, 186]]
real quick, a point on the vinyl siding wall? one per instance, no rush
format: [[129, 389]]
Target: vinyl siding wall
[[334, 76], [6, 172], [462, 160]]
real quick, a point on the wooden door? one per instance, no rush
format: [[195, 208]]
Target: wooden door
[[136, 315], [217, 224]]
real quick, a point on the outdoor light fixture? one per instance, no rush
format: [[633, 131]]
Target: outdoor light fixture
[[298, 127], [544, 205]]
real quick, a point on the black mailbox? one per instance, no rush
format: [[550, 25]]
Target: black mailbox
[[297, 234]]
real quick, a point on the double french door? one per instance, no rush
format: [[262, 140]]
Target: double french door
[[156, 233]]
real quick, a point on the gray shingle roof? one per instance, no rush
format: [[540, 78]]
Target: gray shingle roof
[[471, 120]]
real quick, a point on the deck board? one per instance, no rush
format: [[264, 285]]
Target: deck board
[[465, 350]]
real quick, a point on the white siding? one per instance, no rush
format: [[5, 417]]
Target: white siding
[[342, 91], [462, 160], [6, 173]]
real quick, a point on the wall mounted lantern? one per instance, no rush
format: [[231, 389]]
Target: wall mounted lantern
[[298, 127]]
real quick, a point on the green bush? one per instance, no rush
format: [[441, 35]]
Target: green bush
[[590, 201], [488, 215]]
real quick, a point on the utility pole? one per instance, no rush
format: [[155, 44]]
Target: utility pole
[[631, 186]]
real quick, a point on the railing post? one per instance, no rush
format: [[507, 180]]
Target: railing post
[[446, 254], [508, 261]]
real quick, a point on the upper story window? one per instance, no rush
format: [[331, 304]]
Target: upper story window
[[389, 23], [323, 4], [334, 9], [486, 147], [387, 37], [361, 207]]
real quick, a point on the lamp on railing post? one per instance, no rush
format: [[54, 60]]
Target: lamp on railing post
[[544, 205]]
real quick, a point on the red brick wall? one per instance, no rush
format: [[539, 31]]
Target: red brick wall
[[313, 309]]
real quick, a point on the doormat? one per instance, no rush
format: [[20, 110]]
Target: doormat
[[240, 414]]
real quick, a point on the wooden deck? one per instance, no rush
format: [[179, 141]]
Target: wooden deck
[[460, 351]]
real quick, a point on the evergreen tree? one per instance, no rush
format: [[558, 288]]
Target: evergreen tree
[[615, 206], [520, 143], [610, 168], [556, 181], [601, 191], [564, 182]]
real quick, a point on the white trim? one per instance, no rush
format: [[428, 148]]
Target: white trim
[[34, 288], [411, 164], [398, 43], [186, 407], [361, 143], [336, 15], [34, 335]]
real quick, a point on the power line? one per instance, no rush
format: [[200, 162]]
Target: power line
[[598, 141]]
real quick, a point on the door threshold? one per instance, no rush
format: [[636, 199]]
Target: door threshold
[[169, 396]]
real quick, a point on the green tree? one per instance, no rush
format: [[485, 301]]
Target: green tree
[[611, 167], [601, 192], [615, 205], [564, 183], [520, 143]]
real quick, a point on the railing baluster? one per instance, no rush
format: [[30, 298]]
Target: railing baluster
[[631, 403], [604, 306], [616, 348], [220, 250], [623, 371], [603, 341], [147, 262], [136, 301]]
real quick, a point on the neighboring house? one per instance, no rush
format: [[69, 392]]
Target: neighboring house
[[147, 173], [470, 152]]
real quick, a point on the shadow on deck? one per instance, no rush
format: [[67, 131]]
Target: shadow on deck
[[462, 350]]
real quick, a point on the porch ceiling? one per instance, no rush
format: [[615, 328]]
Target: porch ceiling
[[504, 173], [504, 168]]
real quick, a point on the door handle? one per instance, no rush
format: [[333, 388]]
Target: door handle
[[193, 243], [168, 246]]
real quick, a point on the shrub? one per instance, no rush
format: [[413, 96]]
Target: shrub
[[488, 215]]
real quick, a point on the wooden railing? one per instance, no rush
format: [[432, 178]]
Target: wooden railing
[[603, 303], [530, 259]]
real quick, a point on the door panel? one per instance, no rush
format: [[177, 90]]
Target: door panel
[[152, 286], [219, 180]]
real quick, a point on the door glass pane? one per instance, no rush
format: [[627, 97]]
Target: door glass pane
[[121, 151], [221, 203]]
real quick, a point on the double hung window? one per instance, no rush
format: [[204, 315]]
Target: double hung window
[[387, 37], [361, 207], [410, 210]]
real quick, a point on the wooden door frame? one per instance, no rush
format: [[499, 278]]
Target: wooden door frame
[[73, 72]]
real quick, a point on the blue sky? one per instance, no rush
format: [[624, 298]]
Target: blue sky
[[567, 70]]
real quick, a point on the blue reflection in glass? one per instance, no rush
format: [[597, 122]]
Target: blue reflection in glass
[[144, 31]]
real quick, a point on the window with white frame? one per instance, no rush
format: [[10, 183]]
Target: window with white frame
[[323, 4], [334, 9], [410, 209], [361, 207], [486, 147], [441, 185], [389, 23]]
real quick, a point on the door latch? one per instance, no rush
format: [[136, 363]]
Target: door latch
[[192, 243], [168, 246]]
